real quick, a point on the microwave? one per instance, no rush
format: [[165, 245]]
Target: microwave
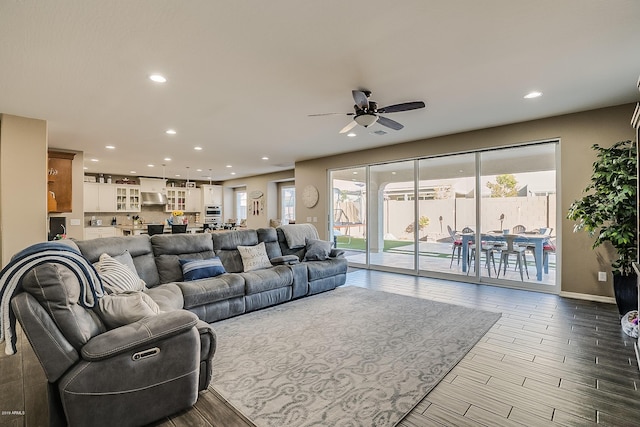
[[212, 211]]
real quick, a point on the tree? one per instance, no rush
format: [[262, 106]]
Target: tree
[[423, 221], [505, 186]]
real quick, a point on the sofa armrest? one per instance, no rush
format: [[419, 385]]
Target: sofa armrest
[[336, 253], [285, 260], [143, 332]]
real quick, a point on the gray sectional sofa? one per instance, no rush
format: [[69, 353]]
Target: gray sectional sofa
[[156, 259], [102, 376]]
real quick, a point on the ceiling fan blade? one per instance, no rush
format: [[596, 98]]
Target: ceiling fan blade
[[326, 114], [361, 99], [348, 127], [389, 123], [406, 106]]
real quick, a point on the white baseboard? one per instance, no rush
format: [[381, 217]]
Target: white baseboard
[[588, 297]]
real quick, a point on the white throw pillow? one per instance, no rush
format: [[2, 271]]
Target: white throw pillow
[[123, 308], [254, 257], [117, 277]]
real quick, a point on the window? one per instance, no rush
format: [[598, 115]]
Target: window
[[288, 203], [241, 205]]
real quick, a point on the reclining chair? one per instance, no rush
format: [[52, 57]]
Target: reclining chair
[[130, 375]]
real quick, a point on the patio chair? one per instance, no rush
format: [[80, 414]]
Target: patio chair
[[513, 249], [487, 249], [518, 229], [456, 244]]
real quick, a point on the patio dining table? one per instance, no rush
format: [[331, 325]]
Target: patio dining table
[[533, 239]]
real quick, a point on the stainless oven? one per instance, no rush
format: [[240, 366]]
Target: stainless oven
[[213, 215]]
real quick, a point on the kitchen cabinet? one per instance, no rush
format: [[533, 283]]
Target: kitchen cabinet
[[99, 197], [97, 232], [59, 181], [176, 199], [127, 198], [212, 195]]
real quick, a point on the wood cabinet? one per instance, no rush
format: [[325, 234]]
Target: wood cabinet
[[59, 181], [127, 198], [99, 197]]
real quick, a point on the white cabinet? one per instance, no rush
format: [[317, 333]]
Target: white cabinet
[[99, 197], [212, 195], [194, 200], [176, 199], [127, 198], [97, 232]]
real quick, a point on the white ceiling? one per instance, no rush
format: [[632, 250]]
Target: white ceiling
[[243, 76]]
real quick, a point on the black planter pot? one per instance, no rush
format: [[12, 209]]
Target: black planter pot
[[626, 292]]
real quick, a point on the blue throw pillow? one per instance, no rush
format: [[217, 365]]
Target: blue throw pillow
[[193, 269]]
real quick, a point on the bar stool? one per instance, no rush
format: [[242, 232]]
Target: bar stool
[[155, 229], [178, 228]]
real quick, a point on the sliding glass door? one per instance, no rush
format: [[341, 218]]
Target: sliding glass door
[[486, 216], [392, 209], [447, 207], [349, 213]]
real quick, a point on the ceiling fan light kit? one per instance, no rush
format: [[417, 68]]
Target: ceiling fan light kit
[[366, 119], [366, 112]]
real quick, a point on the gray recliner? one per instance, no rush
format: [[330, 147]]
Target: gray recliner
[[127, 376]]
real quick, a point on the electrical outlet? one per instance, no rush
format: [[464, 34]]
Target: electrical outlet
[[602, 276], [315, 219]]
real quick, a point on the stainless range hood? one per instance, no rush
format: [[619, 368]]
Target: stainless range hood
[[150, 198]]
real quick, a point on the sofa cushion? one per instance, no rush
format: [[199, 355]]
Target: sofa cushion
[[322, 269], [317, 250], [123, 308], [270, 238], [254, 257], [193, 269], [168, 296], [225, 246], [170, 248], [139, 247], [57, 290], [117, 277], [214, 289], [267, 279]]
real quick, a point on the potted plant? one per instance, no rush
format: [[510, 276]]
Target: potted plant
[[609, 212]]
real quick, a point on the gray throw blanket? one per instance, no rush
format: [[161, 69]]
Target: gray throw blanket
[[296, 235], [24, 261]]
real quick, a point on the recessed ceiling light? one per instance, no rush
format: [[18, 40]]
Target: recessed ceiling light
[[229, 166], [198, 170], [351, 134], [533, 94], [150, 165], [177, 175], [265, 158], [133, 172], [197, 148], [355, 173], [85, 168], [170, 132], [393, 173], [157, 78], [233, 173], [94, 160], [109, 147], [167, 159]]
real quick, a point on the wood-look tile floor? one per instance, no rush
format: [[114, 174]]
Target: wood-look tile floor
[[547, 361]]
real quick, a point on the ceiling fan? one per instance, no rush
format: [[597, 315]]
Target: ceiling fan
[[366, 112]]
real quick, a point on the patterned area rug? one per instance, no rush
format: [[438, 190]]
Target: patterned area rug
[[348, 357]]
